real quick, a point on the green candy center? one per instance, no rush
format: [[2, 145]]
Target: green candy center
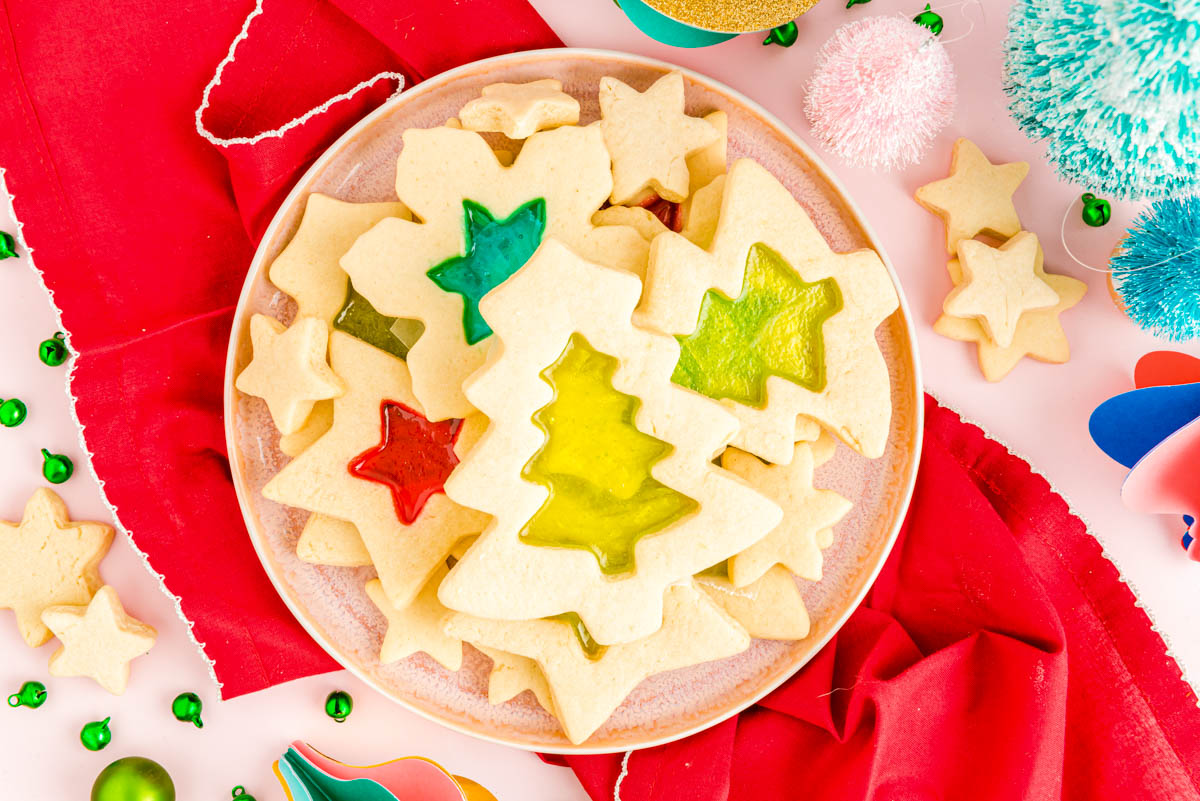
[[359, 319], [772, 328]]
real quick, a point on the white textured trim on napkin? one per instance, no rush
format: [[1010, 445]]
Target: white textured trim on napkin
[[296, 122]]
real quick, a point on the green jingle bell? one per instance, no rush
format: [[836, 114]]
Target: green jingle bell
[[8, 246], [339, 705], [12, 413], [134, 779], [53, 351], [929, 19], [56, 468], [32, 694], [186, 709], [784, 35], [96, 735], [1096, 210], [240, 794]]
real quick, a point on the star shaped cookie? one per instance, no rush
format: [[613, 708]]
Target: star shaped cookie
[[759, 290], [565, 525], [319, 479], [446, 176], [307, 269], [288, 370], [48, 559], [518, 110], [98, 640], [587, 690], [807, 512], [417, 627], [1039, 334], [999, 285], [650, 137], [977, 196], [512, 675], [770, 608]]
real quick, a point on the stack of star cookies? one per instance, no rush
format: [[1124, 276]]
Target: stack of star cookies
[[569, 394], [50, 578], [1003, 299]]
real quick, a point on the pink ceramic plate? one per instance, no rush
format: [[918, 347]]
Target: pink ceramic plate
[[330, 602]]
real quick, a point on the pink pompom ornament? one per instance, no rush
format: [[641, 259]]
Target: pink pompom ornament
[[882, 89]]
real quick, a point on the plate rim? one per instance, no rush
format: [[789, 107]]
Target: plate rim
[[256, 266]]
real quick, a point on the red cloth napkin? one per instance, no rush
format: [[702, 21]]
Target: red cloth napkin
[[144, 232], [998, 657]]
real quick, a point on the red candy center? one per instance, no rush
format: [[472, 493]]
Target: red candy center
[[413, 460]]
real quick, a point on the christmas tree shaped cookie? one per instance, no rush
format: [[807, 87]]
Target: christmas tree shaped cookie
[[587, 688], [596, 468], [774, 324], [381, 468], [481, 221]]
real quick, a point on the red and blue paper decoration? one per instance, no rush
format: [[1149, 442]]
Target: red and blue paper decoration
[[1154, 430]]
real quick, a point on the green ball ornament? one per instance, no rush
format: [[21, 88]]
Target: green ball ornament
[[12, 413], [32, 694], [8, 246], [929, 19], [339, 705], [853, 3], [240, 794], [53, 351], [784, 35], [134, 779], [56, 468], [1096, 210], [96, 735], [186, 709]]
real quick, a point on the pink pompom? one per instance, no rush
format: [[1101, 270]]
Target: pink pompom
[[882, 89]]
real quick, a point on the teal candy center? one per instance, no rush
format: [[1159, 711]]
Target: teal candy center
[[494, 250]]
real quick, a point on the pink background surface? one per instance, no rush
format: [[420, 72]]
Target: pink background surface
[[1040, 411]]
